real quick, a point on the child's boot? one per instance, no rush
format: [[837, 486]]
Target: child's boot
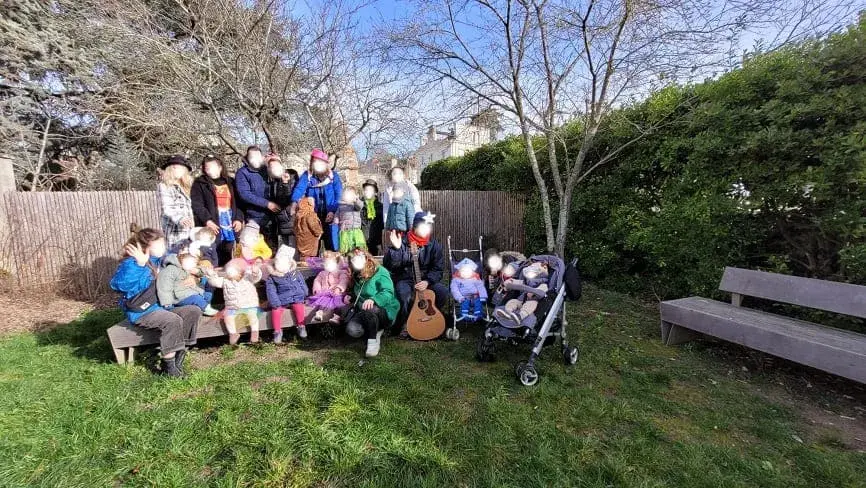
[[278, 337], [169, 368], [209, 311], [234, 338], [302, 332], [178, 360], [254, 337], [464, 309], [479, 309]]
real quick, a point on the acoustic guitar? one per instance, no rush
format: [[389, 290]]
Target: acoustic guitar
[[425, 321]]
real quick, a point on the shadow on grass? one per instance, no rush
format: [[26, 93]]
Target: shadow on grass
[[85, 335]]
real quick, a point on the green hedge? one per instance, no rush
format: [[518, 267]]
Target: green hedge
[[764, 168]]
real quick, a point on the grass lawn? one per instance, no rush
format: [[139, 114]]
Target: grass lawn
[[631, 413]]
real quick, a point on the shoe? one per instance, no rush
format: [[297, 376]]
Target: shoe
[[373, 345], [178, 360], [335, 319], [169, 368], [209, 311], [278, 337], [233, 339], [254, 337], [319, 317], [302, 332]]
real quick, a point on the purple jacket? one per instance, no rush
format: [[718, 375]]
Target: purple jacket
[[467, 288]]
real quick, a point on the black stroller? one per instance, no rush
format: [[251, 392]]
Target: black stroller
[[547, 323]]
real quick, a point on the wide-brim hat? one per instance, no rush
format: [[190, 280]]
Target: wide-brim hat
[[176, 159]]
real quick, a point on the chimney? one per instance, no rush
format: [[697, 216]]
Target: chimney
[[431, 134]]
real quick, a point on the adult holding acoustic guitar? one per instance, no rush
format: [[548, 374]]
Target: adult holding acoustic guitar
[[417, 264]]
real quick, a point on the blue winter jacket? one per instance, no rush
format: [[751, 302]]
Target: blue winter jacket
[[130, 279], [285, 290], [327, 199], [400, 215], [252, 190], [431, 260]]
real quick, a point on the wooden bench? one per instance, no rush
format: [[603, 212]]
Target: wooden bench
[[125, 337], [836, 351]]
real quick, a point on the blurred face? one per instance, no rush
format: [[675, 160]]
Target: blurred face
[[397, 176], [283, 265], [319, 166], [494, 263], [177, 171], [369, 192], [358, 262], [276, 169], [423, 230], [233, 272], [509, 271], [156, 248], [398, 193], [331, 266], [213, 169], [189, 263], [255, 159], [466, 272], [531, 272]]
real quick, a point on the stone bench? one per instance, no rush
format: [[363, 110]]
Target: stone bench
[[836, 351]]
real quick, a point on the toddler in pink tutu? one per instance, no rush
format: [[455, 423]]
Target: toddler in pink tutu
[[329, 300]]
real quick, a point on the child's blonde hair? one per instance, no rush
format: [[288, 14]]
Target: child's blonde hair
[[205, 232]]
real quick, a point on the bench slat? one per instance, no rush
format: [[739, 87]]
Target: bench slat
[[830, 296], [836, 351]]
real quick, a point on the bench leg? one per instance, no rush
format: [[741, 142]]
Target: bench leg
[[129, 355], [673, 334], [120, 355]]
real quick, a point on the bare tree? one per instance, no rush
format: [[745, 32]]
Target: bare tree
[[544, 63]]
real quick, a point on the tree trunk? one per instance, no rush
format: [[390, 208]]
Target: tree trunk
[[542, 187]]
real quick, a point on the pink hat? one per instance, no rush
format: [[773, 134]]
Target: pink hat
[[318, 154]]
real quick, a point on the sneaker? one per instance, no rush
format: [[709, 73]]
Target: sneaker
[[278, 337], [209, 311], [373, 345], [335, 319], [302, 332], [319, 317], [233, 339]]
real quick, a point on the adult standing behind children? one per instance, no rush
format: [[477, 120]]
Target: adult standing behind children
[[251, 182], [215, 206], [281, 184], [173, 191], [135, 279], [321, 183], [397, 179], [431, 261]]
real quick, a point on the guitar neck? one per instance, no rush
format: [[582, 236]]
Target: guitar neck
[[414, 249]]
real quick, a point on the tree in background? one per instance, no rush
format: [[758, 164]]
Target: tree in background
[[544, 63]]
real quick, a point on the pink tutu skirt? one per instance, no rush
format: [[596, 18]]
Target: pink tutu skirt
[[326, 300]]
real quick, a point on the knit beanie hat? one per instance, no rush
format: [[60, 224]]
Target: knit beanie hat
[[423, 218], [250, 234], [466, 262]]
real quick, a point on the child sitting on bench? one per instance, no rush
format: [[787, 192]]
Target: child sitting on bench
[[177, 284]]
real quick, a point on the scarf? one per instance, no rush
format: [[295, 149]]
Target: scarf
[[418, 240], [371, 209]]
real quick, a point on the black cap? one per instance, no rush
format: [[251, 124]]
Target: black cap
[[177, 159]]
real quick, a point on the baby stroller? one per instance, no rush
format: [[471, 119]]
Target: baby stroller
[[547, 323], [455, 256]]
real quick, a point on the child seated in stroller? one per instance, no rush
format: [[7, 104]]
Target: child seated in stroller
[[532, 287], [468, 290]]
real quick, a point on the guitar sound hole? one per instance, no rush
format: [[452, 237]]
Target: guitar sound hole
[[422, 305]]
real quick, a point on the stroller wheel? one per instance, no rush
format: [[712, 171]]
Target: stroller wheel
[[452, 334], [485, 349], [570, 355], [526, 374]]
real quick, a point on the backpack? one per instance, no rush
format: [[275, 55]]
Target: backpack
[[573, 283]]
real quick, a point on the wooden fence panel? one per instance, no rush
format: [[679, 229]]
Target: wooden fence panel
[[74, 239]]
